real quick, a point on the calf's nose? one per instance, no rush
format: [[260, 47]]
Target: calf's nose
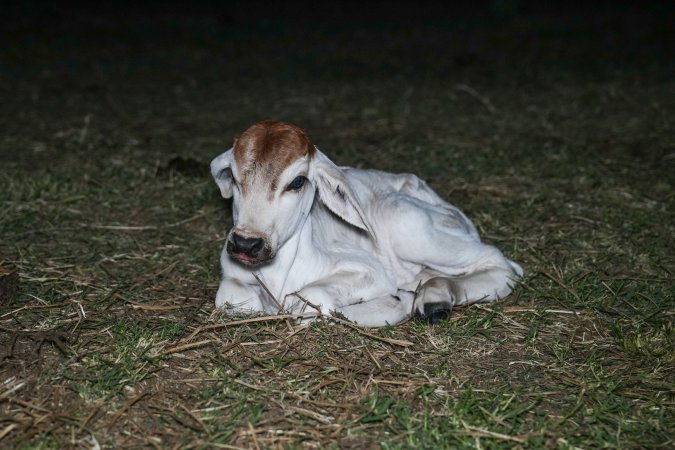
[[249, 246]]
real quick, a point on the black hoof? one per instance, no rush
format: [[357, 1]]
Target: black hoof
[[436, 312]]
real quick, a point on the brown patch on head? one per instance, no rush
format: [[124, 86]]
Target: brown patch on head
[[269, 147]]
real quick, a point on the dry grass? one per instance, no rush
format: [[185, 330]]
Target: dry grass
[[557, 141]]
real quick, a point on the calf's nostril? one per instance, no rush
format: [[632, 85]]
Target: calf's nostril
[[256, 246], [250, 246]]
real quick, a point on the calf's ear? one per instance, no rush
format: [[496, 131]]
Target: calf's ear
[[336, 193], [221, 171]]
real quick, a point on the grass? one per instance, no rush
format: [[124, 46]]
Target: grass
[[557, 139]]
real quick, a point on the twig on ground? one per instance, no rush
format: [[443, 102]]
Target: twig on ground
[[145, 227], [516, 309], [189, 346], [217, 326], [86, 420], [473, 93], [264, 286], [561, 283], [125, 408], [481, 432], [8, 429], [398, 342]]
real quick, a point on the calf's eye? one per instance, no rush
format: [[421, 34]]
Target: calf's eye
[[296, 184]]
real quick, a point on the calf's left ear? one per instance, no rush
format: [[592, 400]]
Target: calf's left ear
[[222, 173], [336, 193]]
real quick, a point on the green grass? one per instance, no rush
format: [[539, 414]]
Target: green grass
[[557, 140]]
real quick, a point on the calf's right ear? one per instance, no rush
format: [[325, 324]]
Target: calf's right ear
[[222, 173]]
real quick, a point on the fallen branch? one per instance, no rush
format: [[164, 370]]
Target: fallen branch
[[191, 345], [360, 330], [125, 408], [481, 432], [474, 93], [218, 326]]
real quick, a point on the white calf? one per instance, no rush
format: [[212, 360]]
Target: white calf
[[373, 246]]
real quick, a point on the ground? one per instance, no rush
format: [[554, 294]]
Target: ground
[[553, 132]]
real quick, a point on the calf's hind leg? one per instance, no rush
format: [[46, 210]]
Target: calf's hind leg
[[434, 300], [436, 296], [442, 240], [459, 268]]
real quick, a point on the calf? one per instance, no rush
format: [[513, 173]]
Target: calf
[[373, 246]]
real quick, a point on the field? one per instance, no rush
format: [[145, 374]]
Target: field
[[554, 133]]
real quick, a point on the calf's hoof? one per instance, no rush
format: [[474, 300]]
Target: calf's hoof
[[435, 312]]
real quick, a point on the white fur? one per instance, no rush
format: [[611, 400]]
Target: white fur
[[358, 242]]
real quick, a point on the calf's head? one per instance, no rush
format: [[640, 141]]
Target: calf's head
[[273, 173]]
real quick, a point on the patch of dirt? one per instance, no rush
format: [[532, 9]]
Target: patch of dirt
[[9, 282]]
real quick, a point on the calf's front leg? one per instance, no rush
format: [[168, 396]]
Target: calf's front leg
[[355, 296], [381, 311], [239, 295]]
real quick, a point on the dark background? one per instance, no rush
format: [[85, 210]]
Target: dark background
[[616, 31], [100, 57], [549, 123]]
